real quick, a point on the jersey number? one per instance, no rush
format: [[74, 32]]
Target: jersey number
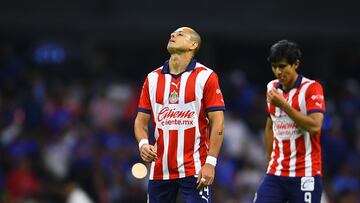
[[204, 193], [307, 197]]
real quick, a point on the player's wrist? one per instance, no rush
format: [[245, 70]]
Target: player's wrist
[[211, 160], [143, 142], [284, 106]]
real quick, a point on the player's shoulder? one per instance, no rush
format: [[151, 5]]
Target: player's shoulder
[[156, 71], [202, 67], [312, 83], [272, 83]]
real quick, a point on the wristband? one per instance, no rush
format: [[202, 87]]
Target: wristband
[[142, 142], [211, 160]]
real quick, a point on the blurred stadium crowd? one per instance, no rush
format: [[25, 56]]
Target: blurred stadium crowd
[[71, 131]]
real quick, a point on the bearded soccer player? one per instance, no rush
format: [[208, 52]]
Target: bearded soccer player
[[295, 105], [184, 101]]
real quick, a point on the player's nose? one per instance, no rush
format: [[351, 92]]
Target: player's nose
[[276, 70]]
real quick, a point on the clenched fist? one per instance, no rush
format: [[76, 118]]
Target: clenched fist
[[148, 153]]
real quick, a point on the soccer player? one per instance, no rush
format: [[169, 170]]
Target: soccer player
[[184, 101], [295, 105]]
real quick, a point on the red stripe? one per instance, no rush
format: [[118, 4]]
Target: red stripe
[[160, 88], [172, 154], [276, 157], [189, 139], [272, 110], [286, 161], [158, 170], [295, 101], [204, 133], [286, 95], [190, 85], [316, 155], [174, 87], [300, 156]]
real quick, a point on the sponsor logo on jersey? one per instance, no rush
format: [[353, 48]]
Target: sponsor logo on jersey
[[317, 97], [172, 116], [285, 128], [218, 91]]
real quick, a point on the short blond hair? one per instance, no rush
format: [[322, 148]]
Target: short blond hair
[[196, 37]]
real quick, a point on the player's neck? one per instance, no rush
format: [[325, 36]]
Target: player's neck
[[290, 84], [179, 62]]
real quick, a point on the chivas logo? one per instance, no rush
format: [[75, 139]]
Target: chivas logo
[[174, 97]]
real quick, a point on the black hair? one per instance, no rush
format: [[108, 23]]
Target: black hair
[[284, 49]]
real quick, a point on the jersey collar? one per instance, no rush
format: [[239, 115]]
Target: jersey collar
[[190, 67], [297, 84]]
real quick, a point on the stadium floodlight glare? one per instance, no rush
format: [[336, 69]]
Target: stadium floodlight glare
[[139, 170]]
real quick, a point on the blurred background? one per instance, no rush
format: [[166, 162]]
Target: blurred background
[[71, 72]]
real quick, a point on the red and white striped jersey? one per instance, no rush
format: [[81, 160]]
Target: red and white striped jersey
[[178, 105], [295, 152]]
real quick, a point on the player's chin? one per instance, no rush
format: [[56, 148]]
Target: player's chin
[[282, 81], [171, 48]]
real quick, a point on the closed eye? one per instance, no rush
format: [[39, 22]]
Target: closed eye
[[281, 66]]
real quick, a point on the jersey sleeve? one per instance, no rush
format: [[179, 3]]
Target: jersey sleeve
[[267, 108], [267, 102], [270, 109], [213, 98], [315, 101], [144, 101]]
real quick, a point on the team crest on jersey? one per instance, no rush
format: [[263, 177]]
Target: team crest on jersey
[[174, 97]]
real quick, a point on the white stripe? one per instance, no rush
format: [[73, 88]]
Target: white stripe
[[165, 156], [183, 81], [196, 155], [292, 164], [272, 157], [281, 157], [308, 161], [304, 79], [201, 79], [277, 109], [152, 166], [167, 89], [301, 97], [291, 95], [270, 86], [180, 154], [153, 79]]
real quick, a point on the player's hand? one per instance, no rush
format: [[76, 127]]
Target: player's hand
[[148, 153], [275, 98], [206, 176]]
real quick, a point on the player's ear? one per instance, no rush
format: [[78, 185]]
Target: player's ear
[[194, 45], [297, 63]]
